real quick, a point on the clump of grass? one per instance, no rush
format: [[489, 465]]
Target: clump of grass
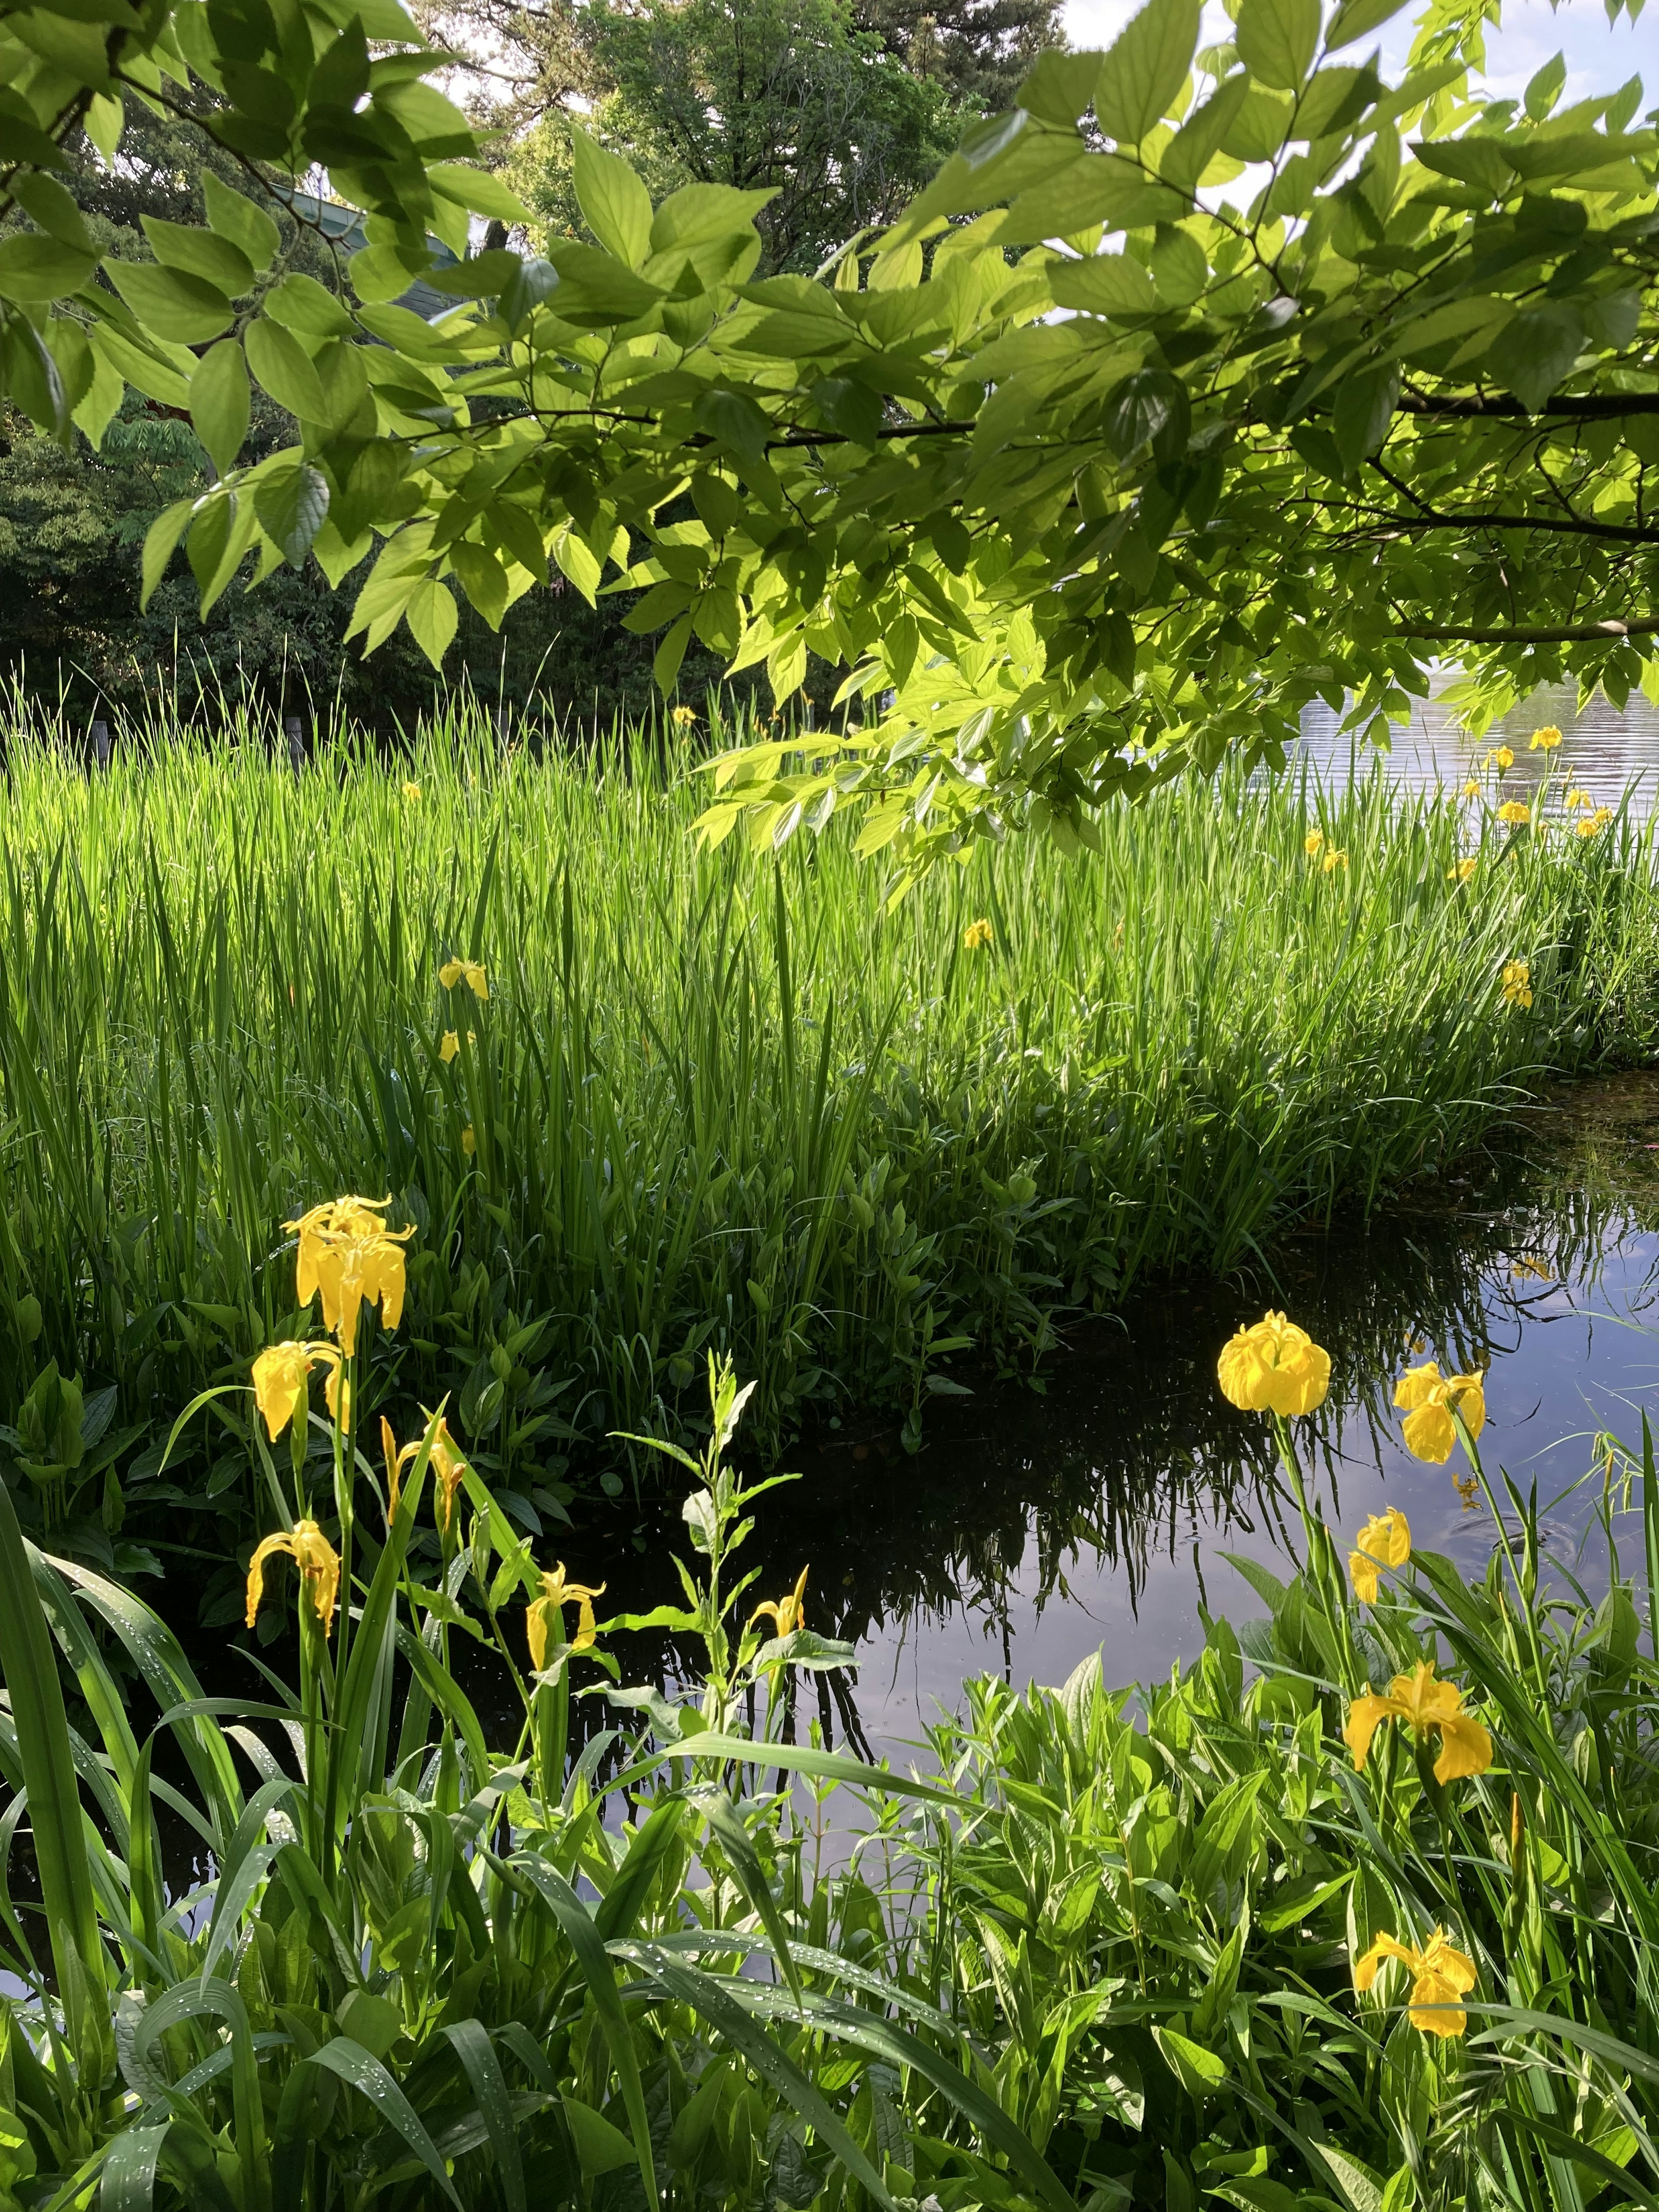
[[711, 1101]]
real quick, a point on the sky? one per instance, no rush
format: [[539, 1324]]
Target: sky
[[1600, 57]]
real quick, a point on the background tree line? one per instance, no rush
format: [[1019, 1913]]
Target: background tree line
[[842, 110]]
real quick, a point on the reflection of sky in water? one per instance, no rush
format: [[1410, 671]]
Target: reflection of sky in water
[[1606, 752], [1570, 1356]]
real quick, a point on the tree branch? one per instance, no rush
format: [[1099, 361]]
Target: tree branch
[[1593, 409], [1568, 634]]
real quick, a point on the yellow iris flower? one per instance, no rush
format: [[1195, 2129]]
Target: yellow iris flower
[[1312, 841], [684, 717], [1471, 789], [976, 936], [347, 1253], [1545, 740], [787, 1612], [315, 1557], [453, 971], [1274, 1367], [280, 1375], [1335, 858], [1577, 799], [1426, 1398], [1384, 1541], [1502, 757], [448, 1464], [411, 793], [469, 1140], [1516, 811], [1516, 983], [1441, 1975], [543, 1612], [449, 1047], [1424, 1705]]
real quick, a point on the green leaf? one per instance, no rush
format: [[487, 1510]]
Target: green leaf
[[28, 1666], [54, 209], [1365, 401], [614, 205], [284, 367], [1536, 349], [1145, 68], [588, 1946], [198, 253], [219, 403], [1199, 2071], [290, 505], [365, 2073], [1060, 87], [1356, 17], [1104, 284], [1198, 142], [478, 191], [600, 2149], [1277, 41], [301, 303], [159, 540], [431, 617], [37, 266], [235, 217], [1544, 88], [172, 303], [128, 2183], [666, 661]]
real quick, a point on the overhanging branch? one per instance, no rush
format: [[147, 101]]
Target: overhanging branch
[[1566, 633]]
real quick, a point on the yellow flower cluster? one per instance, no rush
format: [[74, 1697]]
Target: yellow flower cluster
[[347, 1253], [547, 1611], [1592, 825], [1274, 1367], [1429, 1708], [453, 971], [977, 936], [1384, 1541], [787, 1614], [316, 1559], [1441, 1978], [1427, 1397], [1516, 983]]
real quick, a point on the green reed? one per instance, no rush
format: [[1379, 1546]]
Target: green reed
[[714, 1101]]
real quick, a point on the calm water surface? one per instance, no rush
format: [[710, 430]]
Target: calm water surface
[[1039, 1524], [1606, 752]]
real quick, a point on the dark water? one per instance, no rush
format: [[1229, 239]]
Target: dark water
[[1039, 1523]]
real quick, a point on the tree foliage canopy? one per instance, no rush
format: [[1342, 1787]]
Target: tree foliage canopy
[[1084, 469]]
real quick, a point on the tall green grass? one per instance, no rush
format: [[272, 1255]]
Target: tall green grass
[[715, 1100]]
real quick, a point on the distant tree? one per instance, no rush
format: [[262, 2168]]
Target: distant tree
[[793, 97], [978, 50]]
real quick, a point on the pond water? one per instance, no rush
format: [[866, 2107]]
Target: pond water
[[1039, 1523], [1608, 751]]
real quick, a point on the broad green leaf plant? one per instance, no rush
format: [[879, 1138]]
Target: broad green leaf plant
[[1201, 385]]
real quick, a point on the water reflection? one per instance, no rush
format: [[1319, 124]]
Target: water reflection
[[1037, 1525], [1607, 750]]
